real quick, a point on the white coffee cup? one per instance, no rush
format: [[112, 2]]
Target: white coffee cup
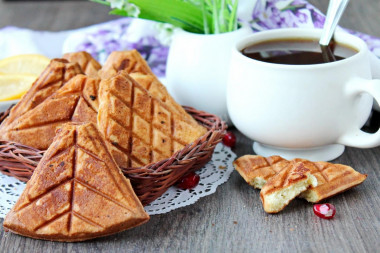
[[307, 111]]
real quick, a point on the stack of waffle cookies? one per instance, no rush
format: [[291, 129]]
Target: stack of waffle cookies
[[92, 121]]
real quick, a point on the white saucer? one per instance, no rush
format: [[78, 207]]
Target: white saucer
[[324, 153]]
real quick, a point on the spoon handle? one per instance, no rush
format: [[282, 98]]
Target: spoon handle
[[334, 12]]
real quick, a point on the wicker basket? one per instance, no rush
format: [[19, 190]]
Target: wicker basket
[[150, 181]]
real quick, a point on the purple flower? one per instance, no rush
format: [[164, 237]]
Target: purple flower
[[113, 36], [258, 9], [281, 14], [318, 18], [89, 48], [153, 52], [373, 42], [112, 45]]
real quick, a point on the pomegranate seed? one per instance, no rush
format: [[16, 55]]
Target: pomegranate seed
[[229, 139], [189, 181], [324, 211]]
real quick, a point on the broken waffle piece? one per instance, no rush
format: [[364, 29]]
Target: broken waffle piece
[[139, 128], [76, 101], [332, 178], [56, 74], [257, 170], [76, 193], [283, 187], [86, 62], [135, 65]]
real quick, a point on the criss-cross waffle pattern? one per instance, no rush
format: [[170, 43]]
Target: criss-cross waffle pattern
[[139, 128], [332, 178], [134, 64], [287, 184], [77, 192], [77, 101], [252, 167], [290, 174], [56, 74], [158, 90], [88, 64]]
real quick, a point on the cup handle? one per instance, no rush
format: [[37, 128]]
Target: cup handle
[[375, 70], [356, 137]]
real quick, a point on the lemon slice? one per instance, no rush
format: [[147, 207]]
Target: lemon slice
[[32, 64], [15, 86]]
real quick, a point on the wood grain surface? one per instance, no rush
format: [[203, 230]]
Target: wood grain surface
[[232, 219]]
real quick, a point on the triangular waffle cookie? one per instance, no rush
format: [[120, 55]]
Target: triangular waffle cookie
[[135, 65], [76, 193], [129, 61], [332, 178], [56, 74], [139, 128], [88, 64], [285, 186], [77, 101]]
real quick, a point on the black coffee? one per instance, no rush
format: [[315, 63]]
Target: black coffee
[[297, 52]]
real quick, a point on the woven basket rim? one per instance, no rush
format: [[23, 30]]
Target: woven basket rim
[[19, 160]]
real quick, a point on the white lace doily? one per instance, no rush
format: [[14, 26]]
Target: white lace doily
[[215, 173]]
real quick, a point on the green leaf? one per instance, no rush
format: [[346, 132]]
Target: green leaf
[[101, 2], [205, 22], [119, 12], [232, 24], [215, 16], [179, 13], [293, 7], [198, 16]]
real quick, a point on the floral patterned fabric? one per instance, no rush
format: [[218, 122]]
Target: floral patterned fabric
[[152, 39]]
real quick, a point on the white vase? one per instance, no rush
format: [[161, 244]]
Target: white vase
[[197, 69]]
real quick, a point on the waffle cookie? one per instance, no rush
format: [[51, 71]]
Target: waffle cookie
[[129, 61], [138, 127], [332, 178], [76, 101], [287, 184], [56, 74], [135, 65], [88, 64], [76, 193]]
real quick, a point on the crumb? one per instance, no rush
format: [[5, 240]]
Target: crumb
[[235, 222], [291, 229], [212, 224], [222, 167]]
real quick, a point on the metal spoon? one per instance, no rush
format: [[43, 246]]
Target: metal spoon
[[334, 13]]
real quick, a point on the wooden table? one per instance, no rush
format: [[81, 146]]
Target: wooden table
[[232, 219]]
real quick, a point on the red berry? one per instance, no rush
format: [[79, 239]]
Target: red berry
[[324, 211], [229, 139], [189, 181]]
